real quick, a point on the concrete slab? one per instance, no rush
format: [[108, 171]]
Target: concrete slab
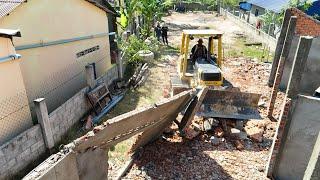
[[297, 147], [92, 164]]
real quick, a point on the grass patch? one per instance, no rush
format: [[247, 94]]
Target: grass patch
[[143, 96], [259, 52]]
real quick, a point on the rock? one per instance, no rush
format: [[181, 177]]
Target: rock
[[243, 135], [218, 132], [239, 145], [208, 124], [255, 133], [262, 104], [239, 125], [237, 134], [234, 132], [168, 130], [215, 141], [196, 126]]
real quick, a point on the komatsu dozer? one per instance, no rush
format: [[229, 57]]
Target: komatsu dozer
[[222, 100]]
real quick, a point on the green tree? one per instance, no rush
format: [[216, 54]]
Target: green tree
[[151, 11]]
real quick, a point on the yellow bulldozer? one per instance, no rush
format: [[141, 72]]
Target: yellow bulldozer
[[221, 100]]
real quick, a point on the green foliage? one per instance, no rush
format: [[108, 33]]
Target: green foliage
[[230, 3], [151, 10], [271, 17], [129, 11], [134, 44]]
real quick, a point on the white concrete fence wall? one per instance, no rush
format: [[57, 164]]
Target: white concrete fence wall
[[17, 154], [251, 30]]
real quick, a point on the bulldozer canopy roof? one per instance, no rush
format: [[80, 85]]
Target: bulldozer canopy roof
[[202, 32]]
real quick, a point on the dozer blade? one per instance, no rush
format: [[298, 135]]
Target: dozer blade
[[229, 104]]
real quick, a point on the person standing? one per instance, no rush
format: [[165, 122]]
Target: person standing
[[157, 31], [165, 30]]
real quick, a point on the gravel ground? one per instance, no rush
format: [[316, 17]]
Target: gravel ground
[[173, 157]]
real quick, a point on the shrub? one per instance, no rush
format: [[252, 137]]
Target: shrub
[[134, 44]]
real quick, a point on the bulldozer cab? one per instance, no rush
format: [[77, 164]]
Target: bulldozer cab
[[205, 71]]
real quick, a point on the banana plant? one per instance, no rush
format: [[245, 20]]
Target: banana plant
[[151, 11]]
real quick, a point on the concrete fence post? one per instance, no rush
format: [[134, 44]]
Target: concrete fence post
[[280, 44], [298, 66], [43, 119], [281, 63], [91, 82], [120, 65]]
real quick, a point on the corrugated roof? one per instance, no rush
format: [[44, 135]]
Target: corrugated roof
[[7, 6], [104, 5], [272, 5], [10, 32]]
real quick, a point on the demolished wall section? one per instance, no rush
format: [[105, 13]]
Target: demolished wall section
[[90, 149]]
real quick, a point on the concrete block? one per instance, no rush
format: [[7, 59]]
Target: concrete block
[[12, 163], [92, 164], [36, 146], [1, 153], [67, 168], [3, 161], [28, 143], [24, 155]]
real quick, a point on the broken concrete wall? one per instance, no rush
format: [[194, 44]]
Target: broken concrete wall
[[22, 150], [54, 167], [301, 136], [91, 149], [310, 81], [91, 164]]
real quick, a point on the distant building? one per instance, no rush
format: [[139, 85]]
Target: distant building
[[15, 114], [259, 7], [314, 10], [59, 38]]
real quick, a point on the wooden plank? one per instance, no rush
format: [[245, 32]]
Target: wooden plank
[[124, 126]]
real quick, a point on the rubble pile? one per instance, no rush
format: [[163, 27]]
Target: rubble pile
[[216, 148]]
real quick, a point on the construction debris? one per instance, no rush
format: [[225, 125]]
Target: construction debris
[[140, 76]]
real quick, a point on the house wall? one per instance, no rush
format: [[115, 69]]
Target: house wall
[[64, 28], [14, 109], [260, 10]]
